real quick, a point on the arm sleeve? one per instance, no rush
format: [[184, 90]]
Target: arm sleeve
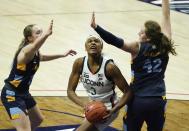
[[109, 37]]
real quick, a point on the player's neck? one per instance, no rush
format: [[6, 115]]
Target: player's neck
[[94, 60]]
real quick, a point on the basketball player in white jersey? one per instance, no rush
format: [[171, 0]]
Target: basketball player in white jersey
[[99, 76]]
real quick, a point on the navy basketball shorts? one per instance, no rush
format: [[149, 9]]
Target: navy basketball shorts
[[148, 109], [15, 102]]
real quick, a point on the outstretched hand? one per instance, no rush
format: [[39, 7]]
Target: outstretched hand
[[70, 52], [49, 31], [93, 24]]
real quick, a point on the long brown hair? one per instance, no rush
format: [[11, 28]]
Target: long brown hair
[[158, 40], [27, 32]]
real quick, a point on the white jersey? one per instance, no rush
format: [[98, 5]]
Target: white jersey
[[97, 85]]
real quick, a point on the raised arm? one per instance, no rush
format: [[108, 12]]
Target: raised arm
[[52, 57], [73, 82], [105, 35], [28, 52], [131, 47], [166, 22], [115, 75]]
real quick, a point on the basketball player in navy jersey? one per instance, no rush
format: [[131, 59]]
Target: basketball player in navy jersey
[[15, 96], [99, 75], [150, 56]]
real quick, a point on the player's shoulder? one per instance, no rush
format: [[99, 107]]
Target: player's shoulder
[[111, 70], [110, 65], [79, 61], [107, 60]]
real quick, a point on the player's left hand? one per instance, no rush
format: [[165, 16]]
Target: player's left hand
[[70, 52]]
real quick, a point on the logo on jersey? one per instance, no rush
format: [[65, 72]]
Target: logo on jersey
[[100, 77], [87, 80]]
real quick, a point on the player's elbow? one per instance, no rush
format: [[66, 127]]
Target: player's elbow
[[70, 93], [129, 92]]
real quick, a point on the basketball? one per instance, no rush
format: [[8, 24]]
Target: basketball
[[95, 111]]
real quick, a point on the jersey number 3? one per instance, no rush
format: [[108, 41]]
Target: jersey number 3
[[152, 66], [93, 91]]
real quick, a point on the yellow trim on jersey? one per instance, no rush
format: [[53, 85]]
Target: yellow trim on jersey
[[131, 61], [21, 67], [125, 115], [36, 67], [15, 116], [165, 114], [151, 54], [15, 83], [132, 79], [163, 97], [10, 98]]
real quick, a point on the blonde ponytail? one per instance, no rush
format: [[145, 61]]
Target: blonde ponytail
[[27, 32], [20, 45]]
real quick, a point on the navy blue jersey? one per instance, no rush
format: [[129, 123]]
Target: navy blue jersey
[[147, 71], [21, 75]]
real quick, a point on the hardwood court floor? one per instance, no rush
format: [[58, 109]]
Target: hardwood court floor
[[55, 108]]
